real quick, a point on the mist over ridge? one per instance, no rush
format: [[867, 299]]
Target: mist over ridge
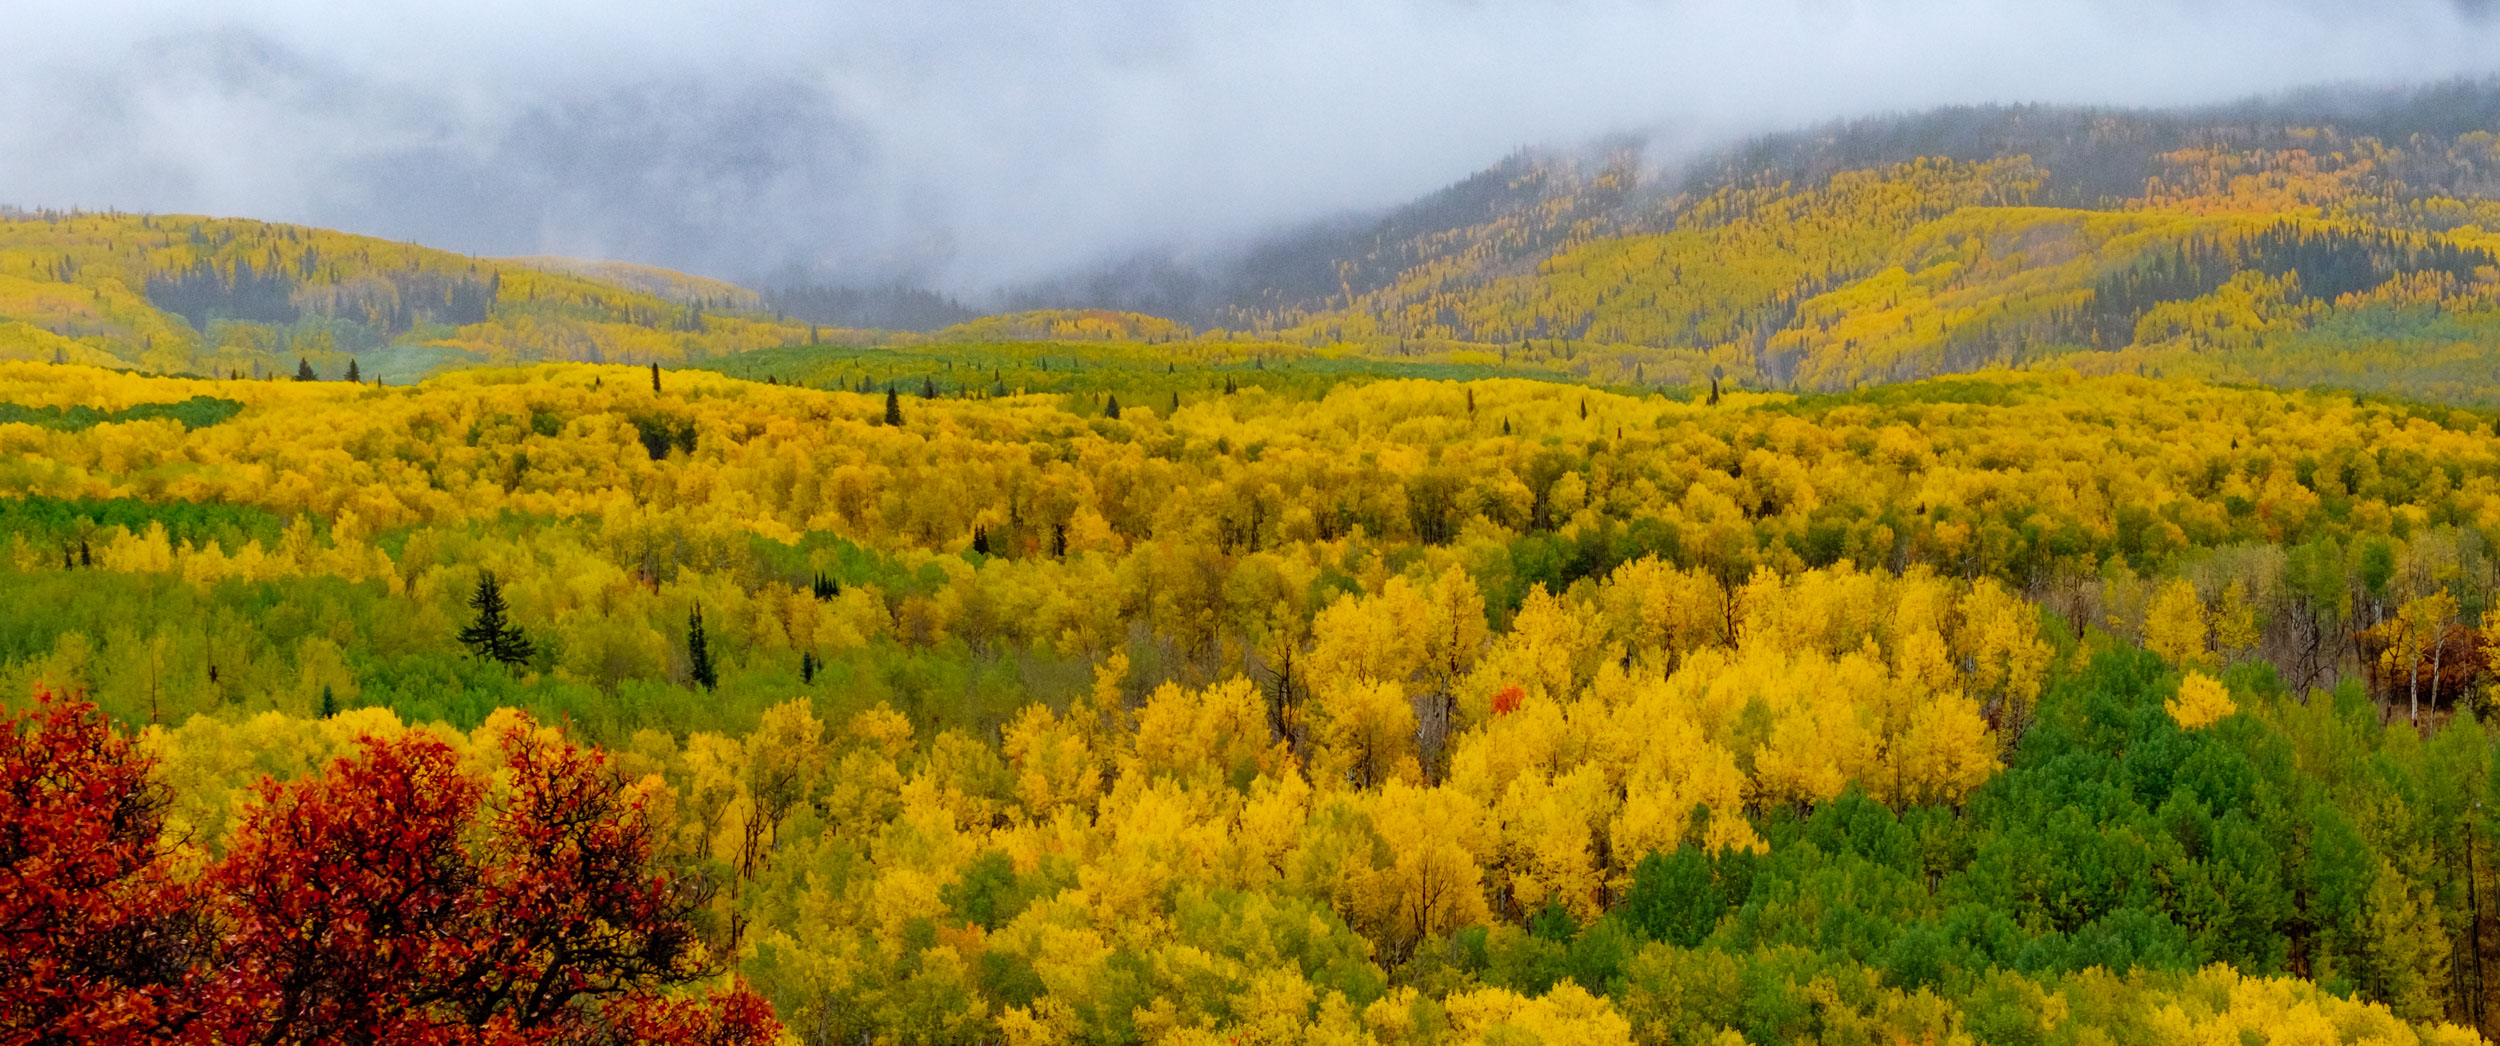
[[973, 146]]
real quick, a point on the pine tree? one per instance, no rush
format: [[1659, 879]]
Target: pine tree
[[329, 702], [1584, 409], [489, 636], [1176, 404], [928, 388], [807, 666], [699, 653], [655, 377], [1111, 408], [893, 407], [1505, 426], [981, 540], [304, 371], [354, 378], [86, 555], [825, 588]]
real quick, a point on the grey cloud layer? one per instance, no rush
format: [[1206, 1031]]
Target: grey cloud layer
[[972, 142]]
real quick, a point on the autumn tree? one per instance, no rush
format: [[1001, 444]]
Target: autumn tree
[[2174, 626], [396, 897], [95, 931]]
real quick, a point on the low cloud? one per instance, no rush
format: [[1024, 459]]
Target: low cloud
[[971, 143]]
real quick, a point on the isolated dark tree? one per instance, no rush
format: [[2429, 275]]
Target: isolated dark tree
[[699, 653], [490, 636], [928, 388], [655, 377], [304, 371], [1111, 408], [1471, 402], [354, 377], [1059, 540], [807, 666], [825, 588], [329, 702], [981, 540], [893, 407]]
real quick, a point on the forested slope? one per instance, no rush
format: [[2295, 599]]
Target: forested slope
[[1174, 704], [176, 294], [2331, 240]]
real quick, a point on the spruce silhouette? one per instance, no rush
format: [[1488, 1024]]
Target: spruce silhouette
[[699, 653], [353, 377], [655, 377], [893, 407], [1111, 408], [490, 637], [304, 371]]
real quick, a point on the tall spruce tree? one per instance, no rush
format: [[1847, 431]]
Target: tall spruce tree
[[699, 652], [304, 371], [655, 377], [893, 407], [490, 636]]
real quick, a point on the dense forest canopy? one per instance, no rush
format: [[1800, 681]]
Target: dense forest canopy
[[2002, 576]]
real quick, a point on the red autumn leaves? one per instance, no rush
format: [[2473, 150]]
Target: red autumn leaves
[[397, 897]]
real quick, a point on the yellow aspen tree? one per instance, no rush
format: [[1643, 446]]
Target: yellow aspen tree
[[2201, 700], [2174, 625], [2236, 627]]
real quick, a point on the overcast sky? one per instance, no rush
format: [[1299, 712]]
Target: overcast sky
[[965, 143]]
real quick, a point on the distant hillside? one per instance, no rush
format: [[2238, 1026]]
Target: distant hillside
[[226, 297], [2327, 238], [649, 279], [2332, 239]]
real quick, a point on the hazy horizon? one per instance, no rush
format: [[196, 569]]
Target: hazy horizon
[[970, 145]]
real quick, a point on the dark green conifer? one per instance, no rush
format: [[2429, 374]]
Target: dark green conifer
[[699, 653], [490, 636]]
